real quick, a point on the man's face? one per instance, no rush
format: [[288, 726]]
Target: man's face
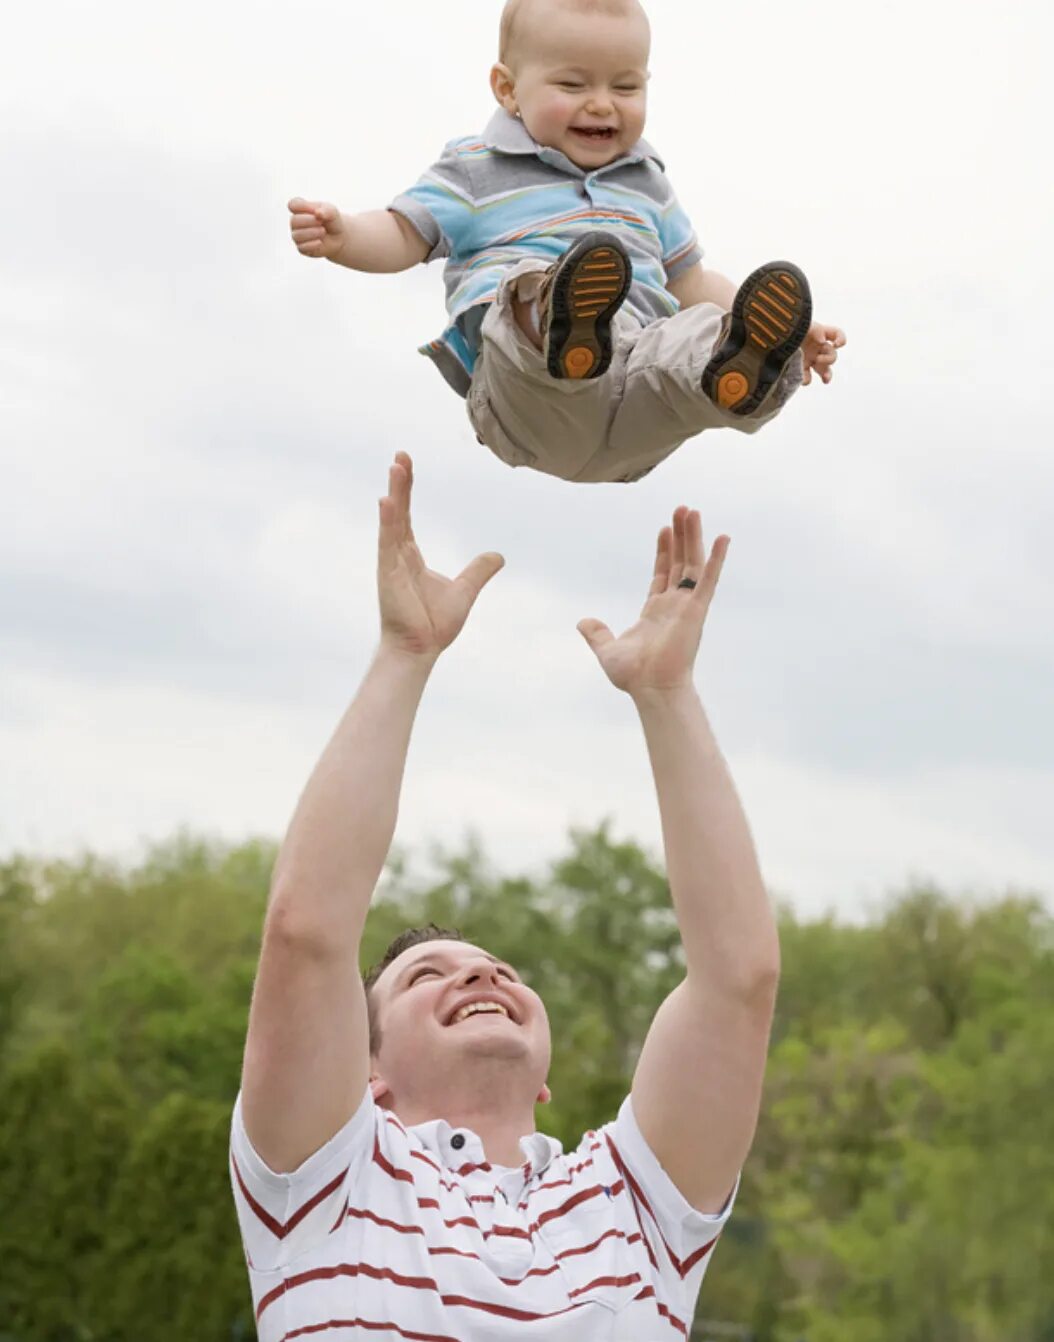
[[446, 1007], [581, 80]]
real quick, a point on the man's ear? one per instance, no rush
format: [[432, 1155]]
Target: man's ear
[[503, 86], [544, 1095], [379, 1089]]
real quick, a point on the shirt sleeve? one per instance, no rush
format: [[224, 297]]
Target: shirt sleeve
[[680, 1234], [283, 1215], [440, 205], [680, 245]]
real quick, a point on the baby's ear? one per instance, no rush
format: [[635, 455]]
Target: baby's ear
[[503, 86]]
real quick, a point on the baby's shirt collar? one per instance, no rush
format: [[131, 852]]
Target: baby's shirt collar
[[508, 135]]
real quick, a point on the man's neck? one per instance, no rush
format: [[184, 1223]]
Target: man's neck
[[497, 1118]]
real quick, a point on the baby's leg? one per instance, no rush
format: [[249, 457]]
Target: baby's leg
[[664, 404], [522, 413]]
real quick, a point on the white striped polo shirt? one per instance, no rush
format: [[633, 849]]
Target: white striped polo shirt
[[408, 1233]]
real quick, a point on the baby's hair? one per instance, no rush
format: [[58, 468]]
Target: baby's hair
[[514, 10]]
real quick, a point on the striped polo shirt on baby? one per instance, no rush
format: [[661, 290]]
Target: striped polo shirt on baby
[[397, 1232], [492, 200]]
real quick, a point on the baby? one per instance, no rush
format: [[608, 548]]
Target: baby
[[585, 334]]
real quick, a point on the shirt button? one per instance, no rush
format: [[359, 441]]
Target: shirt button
[[457, 1141]]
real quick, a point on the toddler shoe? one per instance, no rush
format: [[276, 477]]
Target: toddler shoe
[[770, 318], [582, 293]]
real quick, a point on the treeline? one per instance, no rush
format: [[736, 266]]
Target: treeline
[[901, 1184]]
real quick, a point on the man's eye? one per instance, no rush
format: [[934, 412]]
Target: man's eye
[[566, 84], [507, 973], [420, 975], [627, 88]]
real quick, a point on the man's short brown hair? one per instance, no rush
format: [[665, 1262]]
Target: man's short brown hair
[[413, 936]]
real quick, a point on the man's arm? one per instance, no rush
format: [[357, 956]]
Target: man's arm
[[307, 1050], [696, 285], [697, 1087], [380, 241]]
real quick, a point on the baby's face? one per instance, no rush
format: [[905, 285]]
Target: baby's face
[[580, 81]]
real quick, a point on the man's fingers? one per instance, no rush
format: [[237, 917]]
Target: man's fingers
[[387, 535], [663, 552], [680, 516], [595, 633], [476, 575], [714, 565], [406, 466], [693, 540]]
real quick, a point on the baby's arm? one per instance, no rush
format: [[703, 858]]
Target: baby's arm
[[696, 285], [378, 241]]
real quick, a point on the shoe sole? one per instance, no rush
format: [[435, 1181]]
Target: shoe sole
[[591, 283], [771, 315]]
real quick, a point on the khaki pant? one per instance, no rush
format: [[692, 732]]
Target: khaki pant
[[614, 427]]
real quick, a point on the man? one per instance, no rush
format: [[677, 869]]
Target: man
[[387, 1173]]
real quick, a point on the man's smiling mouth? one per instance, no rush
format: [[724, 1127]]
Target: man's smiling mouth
[[479, 1009]]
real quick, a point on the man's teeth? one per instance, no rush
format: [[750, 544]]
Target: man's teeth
[[476, 1007]]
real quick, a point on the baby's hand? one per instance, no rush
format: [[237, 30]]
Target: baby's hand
[[317, 228], [820, 351]]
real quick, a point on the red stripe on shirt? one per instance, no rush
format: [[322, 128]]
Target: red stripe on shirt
[[682, 1268], [648, 1293], [276, 1227], [401, 1229], [588, 1248], [362, 1214], [344, 1270], [585, 1195], [556, 1183], [410, 1283], [369, 1324], [605, 1281], [403, 1176], [694, 1258]]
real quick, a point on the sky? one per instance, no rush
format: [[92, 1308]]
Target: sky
[[196, 422]]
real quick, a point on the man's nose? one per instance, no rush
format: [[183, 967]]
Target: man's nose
[[479, 971]]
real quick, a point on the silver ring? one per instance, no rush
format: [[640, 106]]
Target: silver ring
[[688, 582]]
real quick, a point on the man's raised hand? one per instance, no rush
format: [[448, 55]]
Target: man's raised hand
[[658, 652], [421, 611], [317, 227]]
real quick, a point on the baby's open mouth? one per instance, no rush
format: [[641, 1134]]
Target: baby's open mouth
[[595, 132]]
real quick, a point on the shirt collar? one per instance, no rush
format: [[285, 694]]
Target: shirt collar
[[437, 1137], [508, 135]]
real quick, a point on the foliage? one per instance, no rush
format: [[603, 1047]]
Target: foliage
[[897, 1186]]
